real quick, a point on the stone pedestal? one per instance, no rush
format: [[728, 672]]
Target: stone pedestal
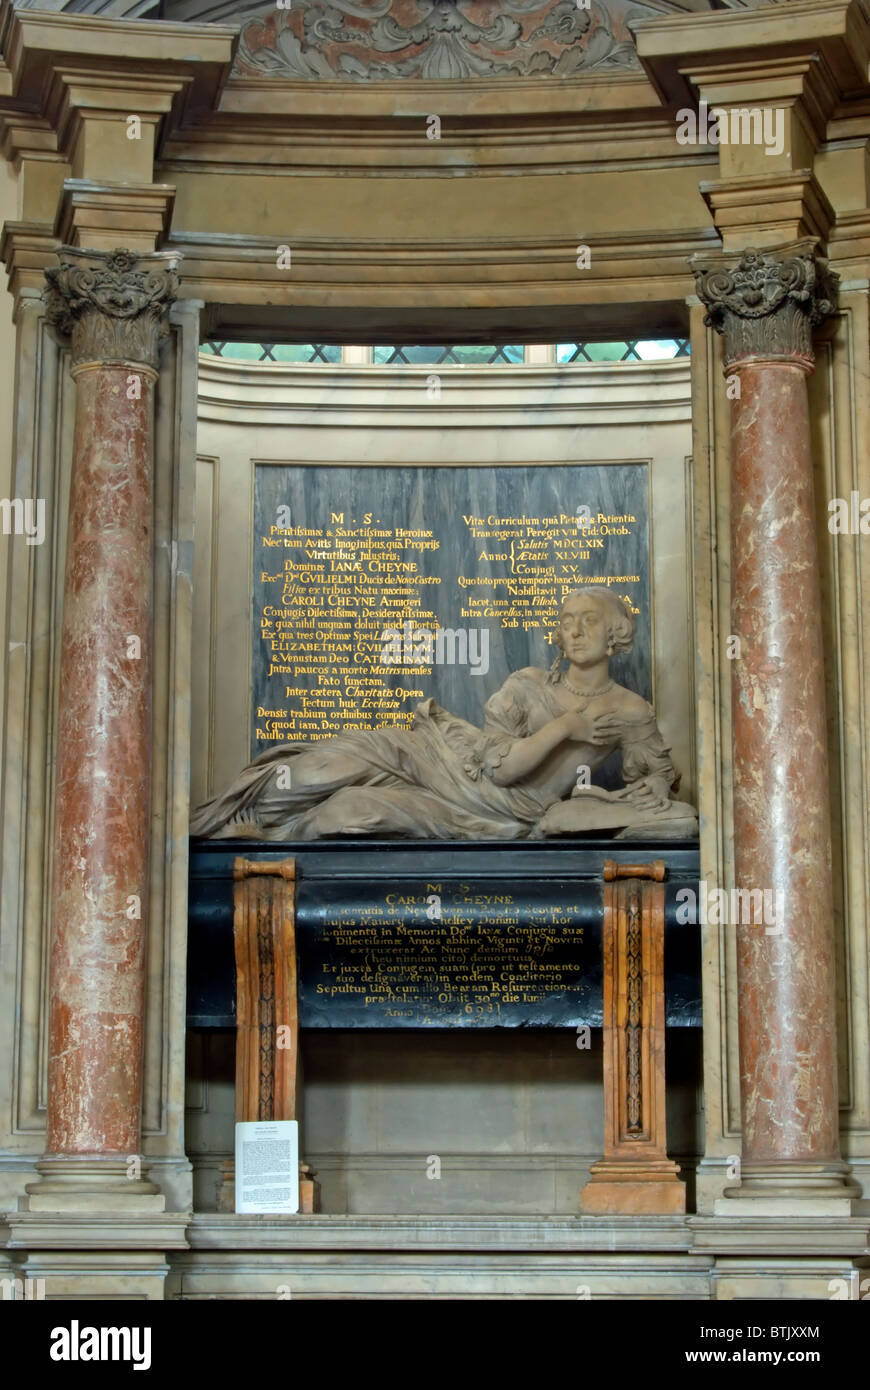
[[766, 305]]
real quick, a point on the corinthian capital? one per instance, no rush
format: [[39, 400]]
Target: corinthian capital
[[766, 303], [113, 304]]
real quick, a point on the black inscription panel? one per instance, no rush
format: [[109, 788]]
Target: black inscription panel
[[375, 588], [518, 942], [447, 955]]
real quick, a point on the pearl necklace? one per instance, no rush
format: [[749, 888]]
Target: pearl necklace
[[587, 695]]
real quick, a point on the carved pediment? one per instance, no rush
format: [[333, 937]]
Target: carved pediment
[[438, 40], [432, 40]]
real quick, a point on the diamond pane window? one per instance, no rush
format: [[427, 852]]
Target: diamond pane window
[[630, 350], [275, 352], [457, 354], [662, 349], [609, 352], [243, 352], [306, 352], [487, 356], [408, 355], [570, 352]]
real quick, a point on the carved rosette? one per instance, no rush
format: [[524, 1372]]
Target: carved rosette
[[767, 303], [112, 304]]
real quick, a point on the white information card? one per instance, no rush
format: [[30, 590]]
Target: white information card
[[267, 1166]]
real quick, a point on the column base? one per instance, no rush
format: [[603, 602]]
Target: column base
[[627, 1187], [791, 1189], [86, 1230], [84, 1186]]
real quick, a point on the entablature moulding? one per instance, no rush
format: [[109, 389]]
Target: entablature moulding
[[467, 291], [222, 149], [467, 287], [61, 69]]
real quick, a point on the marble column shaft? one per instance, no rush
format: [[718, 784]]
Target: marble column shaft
[[766, 306], [113, 305]]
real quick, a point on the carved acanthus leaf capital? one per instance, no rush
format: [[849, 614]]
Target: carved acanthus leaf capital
[[766, 303], [112, 304]]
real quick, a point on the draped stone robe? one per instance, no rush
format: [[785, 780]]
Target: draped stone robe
[[432, 781]]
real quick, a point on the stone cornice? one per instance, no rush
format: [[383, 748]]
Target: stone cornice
[[29, 37], [100, 215], [674, 51], [397, 147], [26, 249], [89, 215], [524, 285], [804, 83], [479, 96], [849, 246], [24, 135], [770, 209], [48, 55], [635, 270]]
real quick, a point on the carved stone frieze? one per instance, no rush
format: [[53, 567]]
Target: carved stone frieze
[[112, 304], [766, 303], [437, 40]]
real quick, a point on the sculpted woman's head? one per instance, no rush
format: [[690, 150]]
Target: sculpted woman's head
[[593, 624]]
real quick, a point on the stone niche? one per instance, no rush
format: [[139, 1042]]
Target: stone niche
[[515, 1115]]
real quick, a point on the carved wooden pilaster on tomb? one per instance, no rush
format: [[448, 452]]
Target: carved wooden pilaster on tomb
[[635, 1173], [268, 1063]]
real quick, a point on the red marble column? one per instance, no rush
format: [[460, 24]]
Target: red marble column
[[113, 305], [766, 305]]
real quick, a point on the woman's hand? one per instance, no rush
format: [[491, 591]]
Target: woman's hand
[[648, 794], [607, 727], [603, 728], [528, 753], [576, 726]]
